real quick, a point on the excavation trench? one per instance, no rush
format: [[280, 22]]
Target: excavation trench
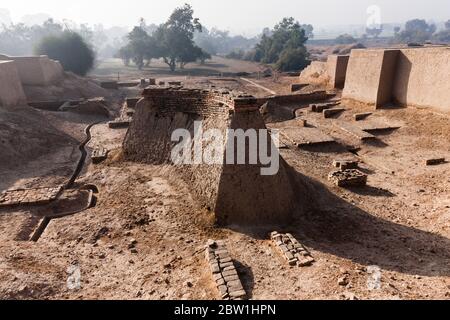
[[91, 189]]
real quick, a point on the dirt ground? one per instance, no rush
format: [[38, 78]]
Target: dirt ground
[[144, 238]]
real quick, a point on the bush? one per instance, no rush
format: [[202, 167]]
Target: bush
[[70, 50], [345, 39], [292, 60]]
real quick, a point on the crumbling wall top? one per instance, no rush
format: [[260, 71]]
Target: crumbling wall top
[[234, 100]]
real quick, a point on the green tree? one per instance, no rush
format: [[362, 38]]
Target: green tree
[[416, 31], [70, 49], [345, 39], [281, 44], [175, 38], [292, 59], [138, 46]]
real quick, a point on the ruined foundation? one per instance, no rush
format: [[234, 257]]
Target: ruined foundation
[[236, 193]]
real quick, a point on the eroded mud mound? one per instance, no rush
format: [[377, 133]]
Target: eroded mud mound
[[25, 135], [72, 87], [236, 193]]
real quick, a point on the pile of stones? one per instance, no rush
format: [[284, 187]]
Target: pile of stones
[[98, 155], [348, 178], [292, 250], [223, 271]]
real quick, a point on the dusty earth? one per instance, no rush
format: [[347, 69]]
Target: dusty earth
[[145, 237]]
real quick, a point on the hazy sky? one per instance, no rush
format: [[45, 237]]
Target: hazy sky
[[239, 16]]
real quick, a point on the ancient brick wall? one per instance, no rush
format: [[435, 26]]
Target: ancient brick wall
[[234, 193]]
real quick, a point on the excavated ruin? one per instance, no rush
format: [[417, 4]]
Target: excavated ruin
[[236, 193]]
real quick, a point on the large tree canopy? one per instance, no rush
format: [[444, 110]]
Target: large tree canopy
[[280, 46], [416, 30], [70, 49], [173, 41]]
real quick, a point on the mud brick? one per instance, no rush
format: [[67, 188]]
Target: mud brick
[[234, 283], [226, 264], [217, 277], [348, 178], [237, 294], [229, 268], [345, 164], [284, 248], [225, 260], [289, 255], [293, 262], [220, 282], [305, 262], [215, 268], [231, 272], [223, 289], [235, 286], [232, 278]]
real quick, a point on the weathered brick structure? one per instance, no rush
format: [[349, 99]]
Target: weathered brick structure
[[236, 193]]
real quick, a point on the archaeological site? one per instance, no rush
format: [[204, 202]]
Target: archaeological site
[[220, 175]]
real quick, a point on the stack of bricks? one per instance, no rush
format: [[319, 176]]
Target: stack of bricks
[[348, 178], [29, 196], [292, 250], [345, 164], [223, 271], [99, 154], [200, 101]]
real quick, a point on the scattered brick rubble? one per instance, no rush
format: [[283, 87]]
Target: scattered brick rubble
[[224, 271], [320, 107], [29, 196], [294, 252], [99, 154], [348, 178], [345, 164]]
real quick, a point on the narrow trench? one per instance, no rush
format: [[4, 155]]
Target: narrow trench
[[93, 189]]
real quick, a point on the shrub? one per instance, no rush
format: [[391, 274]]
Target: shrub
[[70, 50], [292, 59]]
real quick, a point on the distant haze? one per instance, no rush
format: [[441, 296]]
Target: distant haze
[[247, 17]]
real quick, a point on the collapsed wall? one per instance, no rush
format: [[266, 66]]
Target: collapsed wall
[[416, 76], [11, 90], [236, 193], [37, 70]]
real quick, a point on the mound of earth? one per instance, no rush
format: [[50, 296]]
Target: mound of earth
[[272, 112], [72, 87], [26, 135]]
